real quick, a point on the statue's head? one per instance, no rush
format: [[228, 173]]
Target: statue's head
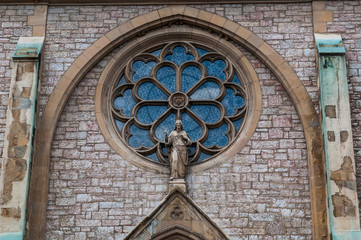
[[178, 125]]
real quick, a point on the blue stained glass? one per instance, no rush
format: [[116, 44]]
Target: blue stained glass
[[238, 123], [179, 56], [167, 76], [166, 124], [208, 90], [236, 80], [142, 69], [119, 124], [126, 102], [164, 150], [191, 150], [231, 102], [140, 137], [193, 128], [121, 81], [156, 52], [149, 91], [203, 156], [190, 75], [217, 136], [153, 156], [201, 51], [149, 113], [208, 113], [215, 68]]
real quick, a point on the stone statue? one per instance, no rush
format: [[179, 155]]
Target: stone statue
[[177, 143]]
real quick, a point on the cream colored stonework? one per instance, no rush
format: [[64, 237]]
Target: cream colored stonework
[[18, 136]]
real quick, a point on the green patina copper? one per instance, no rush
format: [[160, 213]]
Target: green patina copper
[[28, 51], [333, 84], [329, 44], [28, 47], [11, 236]]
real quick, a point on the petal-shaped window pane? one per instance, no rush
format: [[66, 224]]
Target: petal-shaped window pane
[[208, 113], [156, 52], [179, 56], [149, 113], [190, 75], [232, 102], [208, 90], [203, 156], [192, 127], [201, 51], [125, 102], [238, 123], [153, 156], [167, 124], [119, 124], [121, 81], [217, 136], [191, 150], [167, 76], [236, 80], [215, 68], [140, 137], [142, 69], [164, 150], [149, 91]]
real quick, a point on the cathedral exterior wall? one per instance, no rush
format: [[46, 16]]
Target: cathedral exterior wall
[[261, 193]]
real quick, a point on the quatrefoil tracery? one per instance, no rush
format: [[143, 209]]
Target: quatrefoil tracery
[[192, 83]]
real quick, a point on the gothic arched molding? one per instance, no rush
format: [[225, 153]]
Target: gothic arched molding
[[135, 29]]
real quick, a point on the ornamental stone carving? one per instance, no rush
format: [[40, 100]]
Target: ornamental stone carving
[[185, 81]]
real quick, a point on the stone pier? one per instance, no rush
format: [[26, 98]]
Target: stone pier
[[18, 142], [343, 212]]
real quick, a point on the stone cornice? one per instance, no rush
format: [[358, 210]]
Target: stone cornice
[[142, 2]]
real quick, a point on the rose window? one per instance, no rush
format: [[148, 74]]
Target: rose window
[[179, 81]]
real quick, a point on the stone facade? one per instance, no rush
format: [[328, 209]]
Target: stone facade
[[261, 193], [13, 26], [263, 190]]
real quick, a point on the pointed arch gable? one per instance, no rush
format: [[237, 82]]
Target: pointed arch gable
[[193, 224], [135, 29]]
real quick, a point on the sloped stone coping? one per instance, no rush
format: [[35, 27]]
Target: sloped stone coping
[[189, 221]]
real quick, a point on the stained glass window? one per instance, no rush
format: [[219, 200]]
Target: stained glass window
[[182, 81]]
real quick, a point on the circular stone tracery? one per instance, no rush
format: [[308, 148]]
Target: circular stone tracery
[[183, 81]]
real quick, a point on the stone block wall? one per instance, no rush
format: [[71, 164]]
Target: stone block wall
[[263, 191], [70, 30], [13, 25], [285, 27]]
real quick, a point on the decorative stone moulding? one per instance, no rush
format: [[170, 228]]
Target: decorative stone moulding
[[177, 217], [186, 73]]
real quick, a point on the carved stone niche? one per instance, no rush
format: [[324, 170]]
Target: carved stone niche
[[177, 217]]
